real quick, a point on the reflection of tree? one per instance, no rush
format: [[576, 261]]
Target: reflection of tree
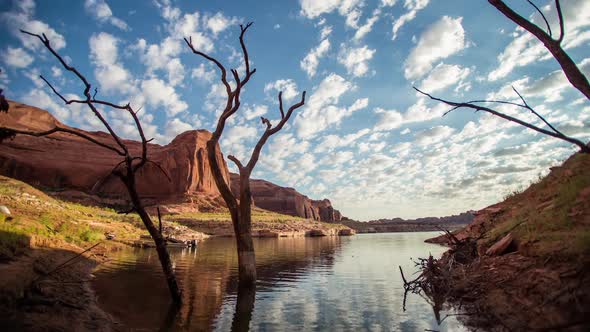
[[244, 308], [206, 277]]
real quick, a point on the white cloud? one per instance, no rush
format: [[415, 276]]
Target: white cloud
[[364, 29], [441, 40], [348, 8], [288, 86], [158, 94], [332, 142], [255, 111], [202, 73], [444, 75], [356, 59], [42, 100], [111, 75], [433, 135], [101, 11], [418, 112], [321, 110], [413, 7], [311, 61], [162, 57], [176, 126], [22, 18], [17, 57], [219, 22]]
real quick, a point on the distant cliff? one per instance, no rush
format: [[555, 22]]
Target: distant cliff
[[411, 225], [272, 197]]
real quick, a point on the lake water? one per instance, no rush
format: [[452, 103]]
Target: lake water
[[304, 284]]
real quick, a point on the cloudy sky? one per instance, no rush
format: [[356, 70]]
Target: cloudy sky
[[364, 139]]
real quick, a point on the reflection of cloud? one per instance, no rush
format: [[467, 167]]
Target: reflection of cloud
[[362, 291]]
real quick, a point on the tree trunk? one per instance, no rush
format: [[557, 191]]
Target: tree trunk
[[159, 240], [243, 230], [244, 308]]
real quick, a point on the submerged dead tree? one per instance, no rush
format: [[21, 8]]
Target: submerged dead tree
[[240, 207], [574, 75], [126, 170]]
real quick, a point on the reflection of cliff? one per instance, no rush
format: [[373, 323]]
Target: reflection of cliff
[[135, 293]]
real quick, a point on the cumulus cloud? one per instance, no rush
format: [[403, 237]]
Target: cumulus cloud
[[347, 8], [219, 22], [321, 110], [443, 76], [17, 57], [311, 61], [288, 86], [111, 75], [356, 60], [364, 29], [22, 16], [418, 112], [163, 56], [440, 40], [101, 11], [412, 7], [158, 94]]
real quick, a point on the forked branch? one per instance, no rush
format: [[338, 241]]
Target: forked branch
[[569, 67], [474, 106]]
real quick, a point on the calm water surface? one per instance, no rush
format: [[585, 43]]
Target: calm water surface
[[304, 284]]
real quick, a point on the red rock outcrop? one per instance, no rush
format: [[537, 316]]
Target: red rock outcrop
[[269, 196], [64, 161]]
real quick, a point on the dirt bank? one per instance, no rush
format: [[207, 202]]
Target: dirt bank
[[524, 264], [36, 294]]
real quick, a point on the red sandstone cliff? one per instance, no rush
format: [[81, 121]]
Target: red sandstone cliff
[[64, 161], [272, 197]]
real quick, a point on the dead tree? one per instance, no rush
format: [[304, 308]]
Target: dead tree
[[126, 170], [574, 75], [240, 207]]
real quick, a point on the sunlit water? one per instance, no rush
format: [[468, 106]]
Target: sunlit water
[[304, 284]]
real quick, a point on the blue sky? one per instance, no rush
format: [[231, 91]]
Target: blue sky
[[364, 139]]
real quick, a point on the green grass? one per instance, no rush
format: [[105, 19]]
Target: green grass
[[542, 214]]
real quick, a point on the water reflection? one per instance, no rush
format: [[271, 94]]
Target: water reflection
[[348, 283]]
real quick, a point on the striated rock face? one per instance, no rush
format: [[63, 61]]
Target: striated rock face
[[64, 161], [269, 196]]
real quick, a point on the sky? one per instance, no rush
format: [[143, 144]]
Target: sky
[[364, 139]]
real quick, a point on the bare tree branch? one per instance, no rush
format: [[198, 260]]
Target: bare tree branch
[[543, 16], [456, 105], [569, 67], [64, 130], [236, 161]]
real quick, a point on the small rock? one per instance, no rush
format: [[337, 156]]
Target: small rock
[[109, 236], [4, 210], [501, 246]]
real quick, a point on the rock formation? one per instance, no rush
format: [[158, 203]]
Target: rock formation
[[63, 161], [272, 197]]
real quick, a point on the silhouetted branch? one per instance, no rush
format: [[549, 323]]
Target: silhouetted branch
[[542, 16], [236, 161], [271, 131], [557, 134], [569, 67], [64, 130]]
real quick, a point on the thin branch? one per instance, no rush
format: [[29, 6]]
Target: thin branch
[[560, 16], [281, 104], [236, 161], [64, 130], [222, 69], [583, 147], [543, 16], [160, 168], [574, 75], [271, 131], [526, 105]]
